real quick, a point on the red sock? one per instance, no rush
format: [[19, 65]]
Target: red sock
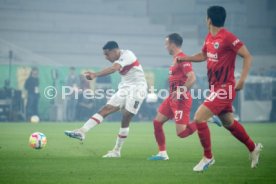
[[159, 135], [239, 132], [205, 139], [190, 129]]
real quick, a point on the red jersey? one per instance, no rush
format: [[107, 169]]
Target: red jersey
[[221, 51], [177, 73]]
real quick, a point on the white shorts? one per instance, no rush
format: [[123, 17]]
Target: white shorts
[[129, 98]]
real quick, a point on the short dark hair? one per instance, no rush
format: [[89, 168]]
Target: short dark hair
[[217, 14], [111, 45], [176, 39]]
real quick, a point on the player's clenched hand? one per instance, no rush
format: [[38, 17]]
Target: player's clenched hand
[[90, 75], [239, 85]]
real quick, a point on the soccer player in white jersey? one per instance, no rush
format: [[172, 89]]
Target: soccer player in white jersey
[[131, 92]]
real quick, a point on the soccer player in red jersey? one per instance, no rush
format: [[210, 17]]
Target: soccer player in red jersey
[[220, 50], [178, 105]]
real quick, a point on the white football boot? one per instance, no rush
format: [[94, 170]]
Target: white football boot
[[255, 154], [112, 154], [204, 164], [76, 134]]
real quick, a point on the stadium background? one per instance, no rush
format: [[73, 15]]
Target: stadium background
[[54, 35]]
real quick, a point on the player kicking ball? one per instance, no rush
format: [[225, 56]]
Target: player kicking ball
[[178, 105], [131, 92], [220, 50]]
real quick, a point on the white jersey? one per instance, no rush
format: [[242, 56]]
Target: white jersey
[[132, 73]]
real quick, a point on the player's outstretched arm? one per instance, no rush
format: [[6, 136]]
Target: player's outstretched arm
[[247, 60], [195, 58], [115, 67]]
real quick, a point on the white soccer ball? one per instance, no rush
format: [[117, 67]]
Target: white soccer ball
[[151, 98], [34, 119]]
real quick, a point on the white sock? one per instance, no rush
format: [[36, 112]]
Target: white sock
[[92, 122], [163, 152], [123, 133]]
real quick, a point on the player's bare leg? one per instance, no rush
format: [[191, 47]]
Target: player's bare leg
[[158, 123], [123, 133], [202, 115], [238, 131], [92, 122]]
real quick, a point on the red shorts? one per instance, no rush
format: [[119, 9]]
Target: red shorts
[[220, 99], [179, 110]]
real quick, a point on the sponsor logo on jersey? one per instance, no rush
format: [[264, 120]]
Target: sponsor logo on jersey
[[212, 56]]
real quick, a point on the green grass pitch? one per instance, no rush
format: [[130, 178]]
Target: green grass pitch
[[65, 160]]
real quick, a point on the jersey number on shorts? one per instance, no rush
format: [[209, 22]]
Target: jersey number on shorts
[[178, 115], [136, 104]]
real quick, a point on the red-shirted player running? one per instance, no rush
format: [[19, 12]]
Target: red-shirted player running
[[220, 50], [175, 107]]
